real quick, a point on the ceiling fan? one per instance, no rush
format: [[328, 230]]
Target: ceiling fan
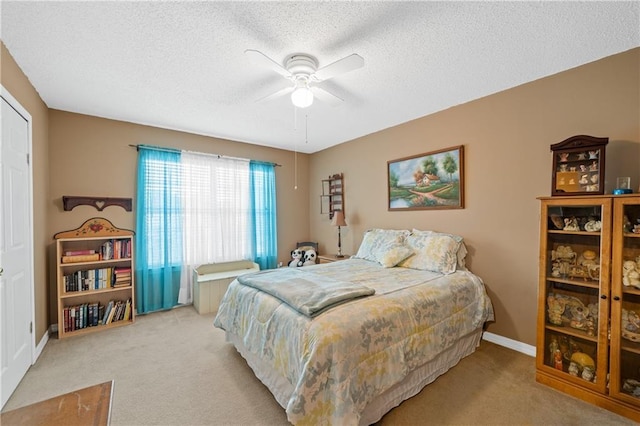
[[302, 70]]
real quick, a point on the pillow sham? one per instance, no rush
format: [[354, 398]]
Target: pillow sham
[[462, 250], [433, 251]]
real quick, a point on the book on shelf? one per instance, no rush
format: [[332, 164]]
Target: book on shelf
[[96, 279], [100, 314], [121, 277], [79, 252], [122, 284], [116, 249], [111, 314], [94, 314], [107, 311], [127, 310], [81, 258]]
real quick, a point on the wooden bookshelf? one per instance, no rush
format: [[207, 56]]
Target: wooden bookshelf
[[95, 278]]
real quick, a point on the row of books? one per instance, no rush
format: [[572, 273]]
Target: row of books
[[97, 279], [112, 249], [94, 314]]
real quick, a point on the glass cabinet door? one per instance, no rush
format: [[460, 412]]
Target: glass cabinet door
[[574, 290], [625, 303]]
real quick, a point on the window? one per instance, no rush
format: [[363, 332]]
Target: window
[[197, 208]]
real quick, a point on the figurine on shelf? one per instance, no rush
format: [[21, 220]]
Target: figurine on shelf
[[582, 156], [553, 347], [579, 316], [556, 309], [574, 369], [630, 325], [564, 157], [578, 271], [593, 225], [632, 386], [563, 258], [571, 224], [557, 221], [593, 155], [626, 224], [630, 274], [588, 373], [563, 253], [557, 359], [590, 264]]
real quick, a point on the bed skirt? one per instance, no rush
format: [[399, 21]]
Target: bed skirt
[[383, 403]]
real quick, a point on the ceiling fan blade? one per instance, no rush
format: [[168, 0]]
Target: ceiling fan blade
[[325, 96], [341, 66], [277, 94], [259, 58]]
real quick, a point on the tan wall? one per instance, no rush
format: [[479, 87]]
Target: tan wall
[[91, 156], [16, 83], [506, 138], [508, 164]]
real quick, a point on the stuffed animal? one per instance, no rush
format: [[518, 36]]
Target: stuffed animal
[[297, 258], [309, 257]]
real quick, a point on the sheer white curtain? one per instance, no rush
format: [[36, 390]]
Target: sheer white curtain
[[217, 216]]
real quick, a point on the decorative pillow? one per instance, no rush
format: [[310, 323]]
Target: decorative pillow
[[390, 255], [384, 246], [434, 251]]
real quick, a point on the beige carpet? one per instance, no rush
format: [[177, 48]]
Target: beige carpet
[[174, 368]]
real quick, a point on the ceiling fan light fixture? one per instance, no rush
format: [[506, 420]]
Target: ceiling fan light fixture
[[302, 97]]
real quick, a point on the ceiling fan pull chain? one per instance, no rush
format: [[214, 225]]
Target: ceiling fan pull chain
[[295, 166]]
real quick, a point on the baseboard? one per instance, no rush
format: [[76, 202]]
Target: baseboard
[[40, 347], [509, 343]]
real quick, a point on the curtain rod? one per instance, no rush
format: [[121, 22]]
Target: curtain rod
[[159, 148]]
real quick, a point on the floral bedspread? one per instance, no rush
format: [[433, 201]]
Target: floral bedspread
[[342, 359]]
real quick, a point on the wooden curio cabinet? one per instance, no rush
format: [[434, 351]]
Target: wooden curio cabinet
[[583, 306], [578, 166], [625, 303]]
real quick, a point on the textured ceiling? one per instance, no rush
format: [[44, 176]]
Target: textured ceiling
[[181, 65]]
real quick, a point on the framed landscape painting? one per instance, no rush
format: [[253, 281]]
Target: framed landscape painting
[[434, 180]]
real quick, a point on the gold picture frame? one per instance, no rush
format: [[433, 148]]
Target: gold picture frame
[[433, 180]]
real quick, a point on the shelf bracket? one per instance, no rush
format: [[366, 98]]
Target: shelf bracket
[[69, 202]]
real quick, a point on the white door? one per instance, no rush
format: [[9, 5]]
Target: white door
[[16, 282]]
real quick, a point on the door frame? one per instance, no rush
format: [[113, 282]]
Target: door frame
[[13, 102]]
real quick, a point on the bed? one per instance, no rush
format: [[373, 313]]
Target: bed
[[348, 357]]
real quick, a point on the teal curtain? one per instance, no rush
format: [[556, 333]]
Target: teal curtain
[[159, 229], [264, 229]]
